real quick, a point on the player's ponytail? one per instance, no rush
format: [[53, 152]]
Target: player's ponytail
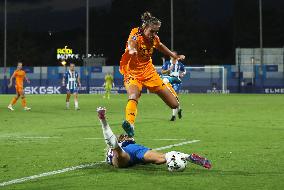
[[148, 19]]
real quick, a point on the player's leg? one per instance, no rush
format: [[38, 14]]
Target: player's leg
[[161, 158], [24, 102], [120, 158], [105, 95], [164, 90], [107, 91], [131, 107], [133, 88], [193, 158], [176, 111], [68, 95], [154, 157], [14, 101], [169, 97], [76, 102]]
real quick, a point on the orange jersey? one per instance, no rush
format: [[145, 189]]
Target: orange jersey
[[139, 65], [19, 76]]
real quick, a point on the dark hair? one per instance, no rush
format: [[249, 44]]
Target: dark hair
[[148, 19]]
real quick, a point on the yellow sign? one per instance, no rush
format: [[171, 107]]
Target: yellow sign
[[64, 50], [66, 53]]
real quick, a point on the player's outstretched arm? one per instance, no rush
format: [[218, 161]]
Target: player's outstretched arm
[[162, 48]]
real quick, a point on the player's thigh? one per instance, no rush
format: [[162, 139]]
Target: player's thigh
[[154, 157], [120, 158], [133, 88], [168, 97], [20, 92], [154, 84]]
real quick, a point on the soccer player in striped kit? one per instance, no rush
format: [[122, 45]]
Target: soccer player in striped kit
[[72, 81], [172, 72]]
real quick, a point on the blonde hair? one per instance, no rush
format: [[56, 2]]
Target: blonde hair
[[148, 19]]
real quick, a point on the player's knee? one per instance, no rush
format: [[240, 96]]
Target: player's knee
[[133, 96]]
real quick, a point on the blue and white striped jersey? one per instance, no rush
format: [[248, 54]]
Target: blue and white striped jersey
[[178, 67], [71, 79]]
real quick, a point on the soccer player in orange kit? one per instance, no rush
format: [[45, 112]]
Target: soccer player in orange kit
[[138, 70], [19, 75]]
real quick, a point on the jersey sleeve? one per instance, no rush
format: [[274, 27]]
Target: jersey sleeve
[[133, 34], [157, 42]]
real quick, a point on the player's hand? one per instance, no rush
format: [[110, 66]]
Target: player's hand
[[180, 57], [181, 75], [9, 85], [63, 83], [132, 47], [101, 112], [79, 84]]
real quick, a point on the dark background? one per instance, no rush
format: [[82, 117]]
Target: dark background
[[206, 31]]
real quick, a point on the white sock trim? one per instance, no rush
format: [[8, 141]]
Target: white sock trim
[[175, 111]]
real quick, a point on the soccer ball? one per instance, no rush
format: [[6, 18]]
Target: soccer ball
[[176, 162]]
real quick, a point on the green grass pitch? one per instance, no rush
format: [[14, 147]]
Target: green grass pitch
[[243, 136]]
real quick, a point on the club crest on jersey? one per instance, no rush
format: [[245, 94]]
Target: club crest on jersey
[[134, 38]]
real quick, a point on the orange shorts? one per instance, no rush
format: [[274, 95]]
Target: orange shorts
[[19, 90], [153, 84]]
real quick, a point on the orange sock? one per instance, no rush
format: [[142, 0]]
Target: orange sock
[[24, 103], [131, 111], [14, 100]]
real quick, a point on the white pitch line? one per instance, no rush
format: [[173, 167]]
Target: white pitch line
[[167, 139], [94, 138], [178, 144], [19, 137], [20, 180], [90, 138], [24, 179]]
